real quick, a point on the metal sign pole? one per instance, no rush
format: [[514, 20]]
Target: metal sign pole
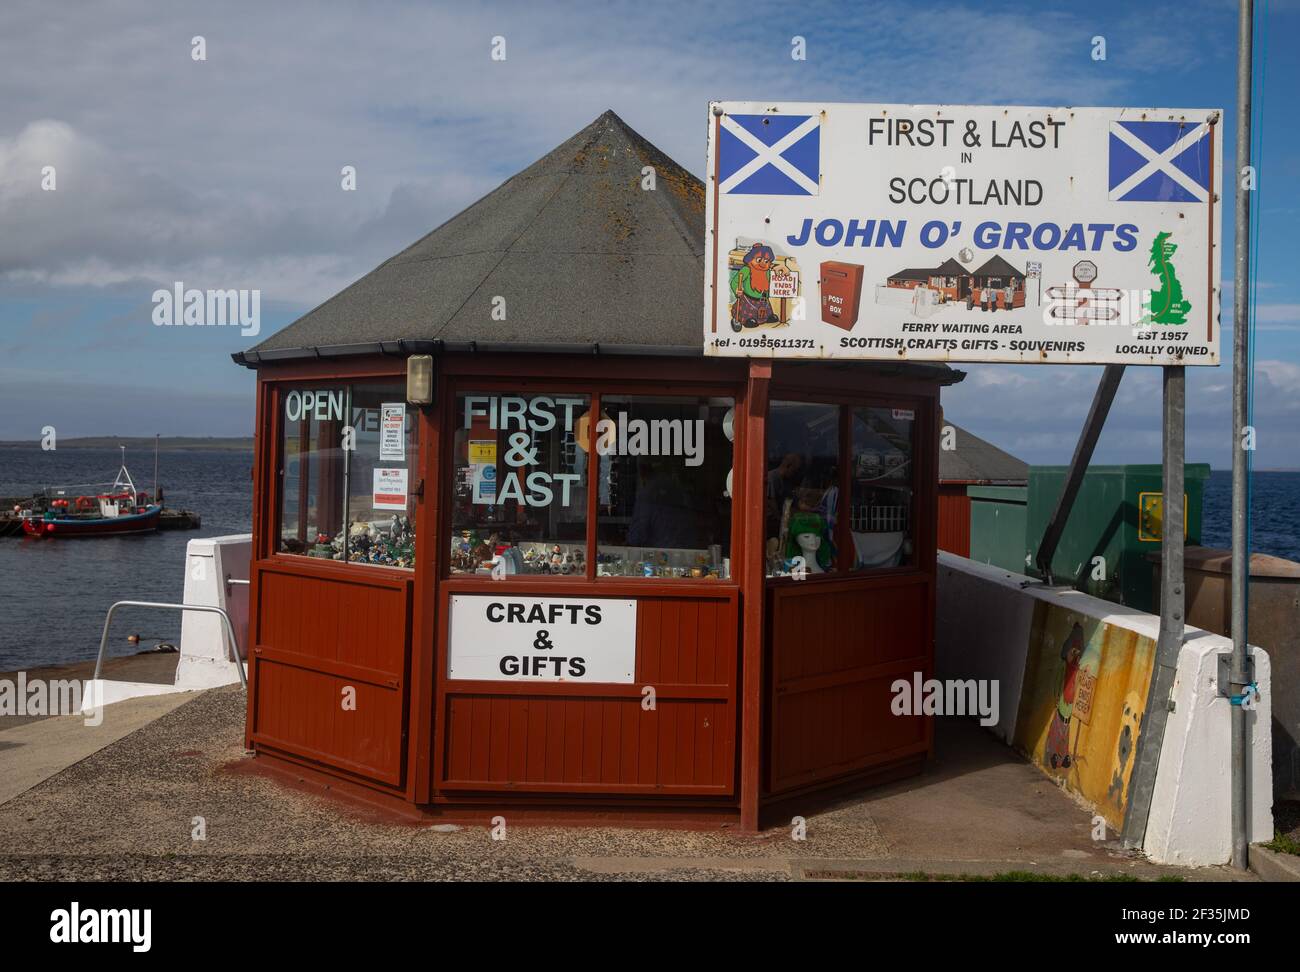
[[1172, 597], [1239, 677]]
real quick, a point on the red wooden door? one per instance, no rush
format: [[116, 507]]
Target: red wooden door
[[836, 648], [331, 650]]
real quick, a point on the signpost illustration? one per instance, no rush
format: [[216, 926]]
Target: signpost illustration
[[921, 217]]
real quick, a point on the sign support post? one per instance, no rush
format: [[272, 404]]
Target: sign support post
[[1172, 598]]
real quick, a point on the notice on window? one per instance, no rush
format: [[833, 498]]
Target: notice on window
[[389, 492], [542, 639], [392, 432], [485, 485], [482, 451]]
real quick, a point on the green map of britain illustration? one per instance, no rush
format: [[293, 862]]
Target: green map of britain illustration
[[1166, 305]]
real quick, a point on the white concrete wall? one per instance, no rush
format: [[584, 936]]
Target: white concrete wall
[[205, 660], [982, 631], [1191, 807]]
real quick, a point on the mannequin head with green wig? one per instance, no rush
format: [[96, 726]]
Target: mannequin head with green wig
[[807, 533]]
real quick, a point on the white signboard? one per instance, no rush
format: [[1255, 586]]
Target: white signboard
[[516, 638], [911, 231], [389, 490], [392, 432]]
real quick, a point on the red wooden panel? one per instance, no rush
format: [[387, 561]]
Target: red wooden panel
[[847, 727], [300, 711], [954, 520], [686, 641], [561, 738], [594, 745], [836, 648], [320, 630], [343, 619]]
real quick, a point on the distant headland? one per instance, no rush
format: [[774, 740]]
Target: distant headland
[[166, 443]]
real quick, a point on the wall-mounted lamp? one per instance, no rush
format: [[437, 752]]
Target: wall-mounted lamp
[[419, 379]]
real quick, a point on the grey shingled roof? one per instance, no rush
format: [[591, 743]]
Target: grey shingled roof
[[585, 258], [580, 252], [976, 461]]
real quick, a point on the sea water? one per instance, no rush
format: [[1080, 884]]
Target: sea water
[[54, 593]]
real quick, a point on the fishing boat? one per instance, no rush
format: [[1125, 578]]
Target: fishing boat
[[121, 508]]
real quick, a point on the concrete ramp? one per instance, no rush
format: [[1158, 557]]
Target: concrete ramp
[[1074, 674]]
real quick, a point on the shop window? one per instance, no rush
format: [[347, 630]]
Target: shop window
[[348, 455], [381, 472], [664, 503], [882, 478], [801, 489], [519, 501]]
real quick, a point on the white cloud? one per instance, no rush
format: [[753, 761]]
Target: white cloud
[[226, 171]]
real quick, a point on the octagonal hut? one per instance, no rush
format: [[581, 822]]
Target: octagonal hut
[[564, 565]]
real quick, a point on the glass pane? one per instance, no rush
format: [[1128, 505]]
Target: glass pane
[[802, 492], [311, 477], [381, 473], [881, 478], [665, 491], [519, 489]]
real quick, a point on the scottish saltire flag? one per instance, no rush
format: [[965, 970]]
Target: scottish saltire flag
[[770, 155], [1159, 161]]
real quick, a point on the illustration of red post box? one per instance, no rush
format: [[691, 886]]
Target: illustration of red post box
[[841, 289]]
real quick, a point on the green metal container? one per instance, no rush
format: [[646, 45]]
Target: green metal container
[[997, 525], [1115, 522]]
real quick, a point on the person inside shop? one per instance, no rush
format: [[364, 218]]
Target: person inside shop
[[782, 481], [785, 477], [663, 515]]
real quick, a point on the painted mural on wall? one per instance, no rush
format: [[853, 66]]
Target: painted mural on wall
[[1084, 696]]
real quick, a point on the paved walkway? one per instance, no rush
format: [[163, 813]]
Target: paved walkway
[[42, 746], [130, 811]]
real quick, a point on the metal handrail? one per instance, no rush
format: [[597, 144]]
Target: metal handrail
[[232, 647]]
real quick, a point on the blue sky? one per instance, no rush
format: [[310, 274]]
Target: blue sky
[[225, 173]]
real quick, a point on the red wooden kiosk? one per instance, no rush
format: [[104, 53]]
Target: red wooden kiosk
[[578, 570]]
